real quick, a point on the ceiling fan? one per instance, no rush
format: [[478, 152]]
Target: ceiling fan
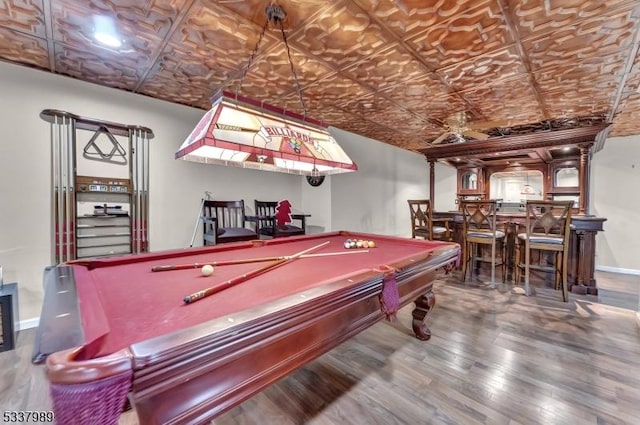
[[458, 125]]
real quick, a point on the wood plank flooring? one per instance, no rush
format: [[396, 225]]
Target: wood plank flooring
[[495, 357]]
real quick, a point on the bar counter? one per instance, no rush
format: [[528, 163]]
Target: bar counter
[[582, 244]]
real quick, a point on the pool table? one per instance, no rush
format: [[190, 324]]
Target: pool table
[[184, 362]]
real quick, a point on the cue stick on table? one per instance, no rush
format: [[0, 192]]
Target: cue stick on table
[[167, 268], [242, 278]]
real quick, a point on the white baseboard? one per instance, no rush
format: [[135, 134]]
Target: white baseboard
[[28, 324], [617, 270]]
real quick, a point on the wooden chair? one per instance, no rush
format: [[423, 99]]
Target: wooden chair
[[480, 229], [547, 228], [224, 221], [267, 225], [422, 223]]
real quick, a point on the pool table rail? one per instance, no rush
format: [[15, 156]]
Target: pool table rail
[[192, 375]]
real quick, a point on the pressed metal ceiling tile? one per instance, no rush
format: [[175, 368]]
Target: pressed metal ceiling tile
[[586, 41], [342, 35], [409, 17], [298, 11], [394, 70], [505, 100], [23, 16], [104, 67], [141, 26], [536, 17], [23, 48], [485, 69], [390, 67], [624, 123], [217, 39], [465, 35]]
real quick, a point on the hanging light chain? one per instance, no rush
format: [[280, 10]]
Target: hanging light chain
[[276, 15], [252, 57], [293, 71]]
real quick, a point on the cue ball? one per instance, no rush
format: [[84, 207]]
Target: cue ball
[[207, 270]]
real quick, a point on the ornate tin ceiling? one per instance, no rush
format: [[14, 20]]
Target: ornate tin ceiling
[[389, 70]]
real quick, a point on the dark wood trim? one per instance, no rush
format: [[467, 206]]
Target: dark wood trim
[[585, 167], [518, 143], [432, 182], [93, 124]]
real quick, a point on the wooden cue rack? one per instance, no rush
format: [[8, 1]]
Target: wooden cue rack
[[127, 228]]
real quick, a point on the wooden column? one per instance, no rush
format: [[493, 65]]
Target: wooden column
[[585, 169], [432, 183]]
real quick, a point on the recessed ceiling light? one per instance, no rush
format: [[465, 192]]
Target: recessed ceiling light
[[105, 31], [566, 148], [479, 70], [108, 39]]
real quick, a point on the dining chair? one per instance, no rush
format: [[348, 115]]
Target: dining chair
[[224, 221], [267, 219]]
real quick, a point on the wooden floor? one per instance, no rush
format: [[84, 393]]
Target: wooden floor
[[496, 357]]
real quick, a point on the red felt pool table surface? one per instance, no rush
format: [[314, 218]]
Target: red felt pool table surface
[[123, 301], [186, 363]]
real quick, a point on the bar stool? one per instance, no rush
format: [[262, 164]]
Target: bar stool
[[422, 223], [547, 228], [480, 229]]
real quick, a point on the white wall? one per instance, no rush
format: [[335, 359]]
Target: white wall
[[176, 186], [316, 201], [370, 200], [446, 187], [373, 199], [615, 179]]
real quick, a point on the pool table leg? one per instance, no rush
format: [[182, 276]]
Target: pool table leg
[[424, 306]]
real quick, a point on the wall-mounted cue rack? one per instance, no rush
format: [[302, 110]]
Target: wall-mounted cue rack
[[93, 214]]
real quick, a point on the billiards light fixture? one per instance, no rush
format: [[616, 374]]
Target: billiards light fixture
[[243, 132]]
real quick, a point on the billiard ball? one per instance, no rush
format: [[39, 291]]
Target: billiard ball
[[371, 244], [347, 244], [207, 270]]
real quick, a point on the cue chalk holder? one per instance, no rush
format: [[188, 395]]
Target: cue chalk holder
[[8, 314]]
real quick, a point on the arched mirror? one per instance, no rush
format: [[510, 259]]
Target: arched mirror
[[470, 180], [566, 177]]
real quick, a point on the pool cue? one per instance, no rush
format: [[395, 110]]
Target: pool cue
[[207, 197], [167, 268], [242, 278]]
